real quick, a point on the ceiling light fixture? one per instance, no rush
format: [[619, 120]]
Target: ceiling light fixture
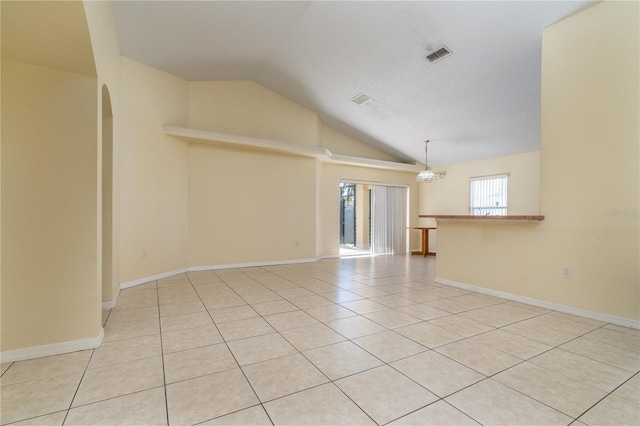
[[427, 175]]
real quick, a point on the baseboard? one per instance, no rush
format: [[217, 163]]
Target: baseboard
[[52, 349], [145, 280], [625, 322], [108, 305], [111, 303], [252, 264], [330, 256]]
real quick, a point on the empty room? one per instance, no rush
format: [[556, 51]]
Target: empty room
[[320, 212]]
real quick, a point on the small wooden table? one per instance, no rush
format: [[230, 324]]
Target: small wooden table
[[425, 242]]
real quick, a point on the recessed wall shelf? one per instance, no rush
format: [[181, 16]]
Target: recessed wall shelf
[[484, 219], [322, 154]]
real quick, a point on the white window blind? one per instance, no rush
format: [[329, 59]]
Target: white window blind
[[488, 196], [389, 230]]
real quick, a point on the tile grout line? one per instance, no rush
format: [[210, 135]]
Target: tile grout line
[[75, 394], [332, 381], [305, 357], [279, 332], [164, 373], [231, 352]]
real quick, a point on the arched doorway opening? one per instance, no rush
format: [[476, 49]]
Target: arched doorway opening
[[107, 199]]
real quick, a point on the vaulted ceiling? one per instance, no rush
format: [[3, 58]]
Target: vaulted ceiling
[[481, 101]]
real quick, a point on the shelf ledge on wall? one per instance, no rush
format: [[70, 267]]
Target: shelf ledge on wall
[[484, 219], [322, 154]]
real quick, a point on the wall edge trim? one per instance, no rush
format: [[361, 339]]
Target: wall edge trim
[[110, 304], [599, 316], [155, 277], [150, 278], [52, 349], [251, 264]]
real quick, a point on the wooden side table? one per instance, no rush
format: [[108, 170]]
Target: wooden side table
[[425, 242]]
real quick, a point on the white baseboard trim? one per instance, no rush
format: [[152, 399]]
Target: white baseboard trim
[[145, 280], [252, 264], [625, 322], [111, 303], [108, 305], [52, 349]]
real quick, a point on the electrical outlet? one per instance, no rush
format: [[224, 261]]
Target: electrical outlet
[[144, 254], [566, 272]]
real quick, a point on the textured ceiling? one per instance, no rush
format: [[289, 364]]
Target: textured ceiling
[[482, 101]]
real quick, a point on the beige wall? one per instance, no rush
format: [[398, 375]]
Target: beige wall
[[108, 260], [249, 206], [339, 143], [106, 52], [451, 194], [165, 191], [252, 206], [589, 178], [245, 108], [49, 214], [153, 173]]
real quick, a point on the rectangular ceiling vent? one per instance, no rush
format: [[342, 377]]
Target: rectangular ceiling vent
[[361, 99], [438, 54]]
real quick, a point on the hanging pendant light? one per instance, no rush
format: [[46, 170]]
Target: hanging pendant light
[[427, 175]]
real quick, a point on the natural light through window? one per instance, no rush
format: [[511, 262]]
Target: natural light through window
[[488, 196]]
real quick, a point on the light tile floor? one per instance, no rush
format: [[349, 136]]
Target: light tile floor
[[360, 341]]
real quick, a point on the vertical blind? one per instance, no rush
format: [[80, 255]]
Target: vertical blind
[[389, 224], [488, 196]]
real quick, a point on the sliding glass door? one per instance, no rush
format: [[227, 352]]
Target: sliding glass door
[[373, 218], [389, 230]]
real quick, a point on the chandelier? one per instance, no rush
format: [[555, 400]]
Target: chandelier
[[428, 175]]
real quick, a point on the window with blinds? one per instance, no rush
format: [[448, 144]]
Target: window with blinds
[[488, 196]]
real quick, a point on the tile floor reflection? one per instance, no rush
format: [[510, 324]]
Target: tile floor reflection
[[368, 340]]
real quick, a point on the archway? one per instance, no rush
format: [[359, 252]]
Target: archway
[[107, 199]]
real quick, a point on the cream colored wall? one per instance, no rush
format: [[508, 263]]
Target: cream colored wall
[[106, 52], [249, 206], [332, 174], [339, 143], [49, 214], [246, 108], [589, 178], [107, 230], [451, 194], [252, 206], [153, 173]]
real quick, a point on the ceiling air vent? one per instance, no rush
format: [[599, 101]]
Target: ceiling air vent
[[438, 54], [361, 99]]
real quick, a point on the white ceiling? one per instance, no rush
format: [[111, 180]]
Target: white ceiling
[[482, 101]]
